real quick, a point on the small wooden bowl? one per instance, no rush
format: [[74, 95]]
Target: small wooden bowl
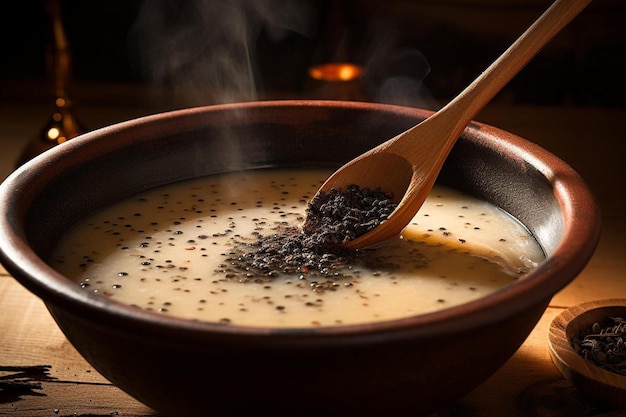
[[598, 384]]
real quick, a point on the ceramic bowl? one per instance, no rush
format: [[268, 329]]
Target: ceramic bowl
[[605, 387], [414, 365]]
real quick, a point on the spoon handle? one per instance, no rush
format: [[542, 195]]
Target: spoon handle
[[471, 101]]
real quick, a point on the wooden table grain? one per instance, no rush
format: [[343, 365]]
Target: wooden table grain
[[41, 374]]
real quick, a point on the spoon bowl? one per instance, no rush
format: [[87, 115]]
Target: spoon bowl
[[407, 165]]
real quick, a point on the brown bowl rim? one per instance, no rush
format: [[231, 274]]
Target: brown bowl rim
[[573, 196]]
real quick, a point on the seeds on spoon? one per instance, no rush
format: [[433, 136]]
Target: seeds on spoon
[[342, 215]]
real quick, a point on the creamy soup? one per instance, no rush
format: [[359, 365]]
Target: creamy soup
[[171, 250]]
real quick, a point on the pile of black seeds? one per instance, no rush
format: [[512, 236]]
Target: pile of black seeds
[[339, 216], [316, 249], [603, 345]]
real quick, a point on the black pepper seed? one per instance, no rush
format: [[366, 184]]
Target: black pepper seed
[[603, 344]]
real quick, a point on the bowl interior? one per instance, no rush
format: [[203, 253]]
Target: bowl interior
[[142, 154]]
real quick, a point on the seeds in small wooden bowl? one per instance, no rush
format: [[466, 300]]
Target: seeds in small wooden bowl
[[585, 347]]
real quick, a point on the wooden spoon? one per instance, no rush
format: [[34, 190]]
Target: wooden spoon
[[407, 165]]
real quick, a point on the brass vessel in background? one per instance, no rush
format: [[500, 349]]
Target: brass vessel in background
[[62, 124]]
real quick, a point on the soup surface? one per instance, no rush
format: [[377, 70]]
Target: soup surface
[[173, 250]]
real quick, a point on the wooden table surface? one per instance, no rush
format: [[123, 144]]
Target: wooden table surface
[[42, 375]]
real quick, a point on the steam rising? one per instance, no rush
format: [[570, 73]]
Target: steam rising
[[395, 72], [205, 48]]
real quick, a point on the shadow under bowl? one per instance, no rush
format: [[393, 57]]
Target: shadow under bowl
[[600, 385], [415, 365]]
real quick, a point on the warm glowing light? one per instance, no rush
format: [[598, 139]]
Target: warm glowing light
[[339, 71], [57, 117], [60, 101], [53, 133]]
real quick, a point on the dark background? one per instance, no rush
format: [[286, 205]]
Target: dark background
[[439, 46]]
